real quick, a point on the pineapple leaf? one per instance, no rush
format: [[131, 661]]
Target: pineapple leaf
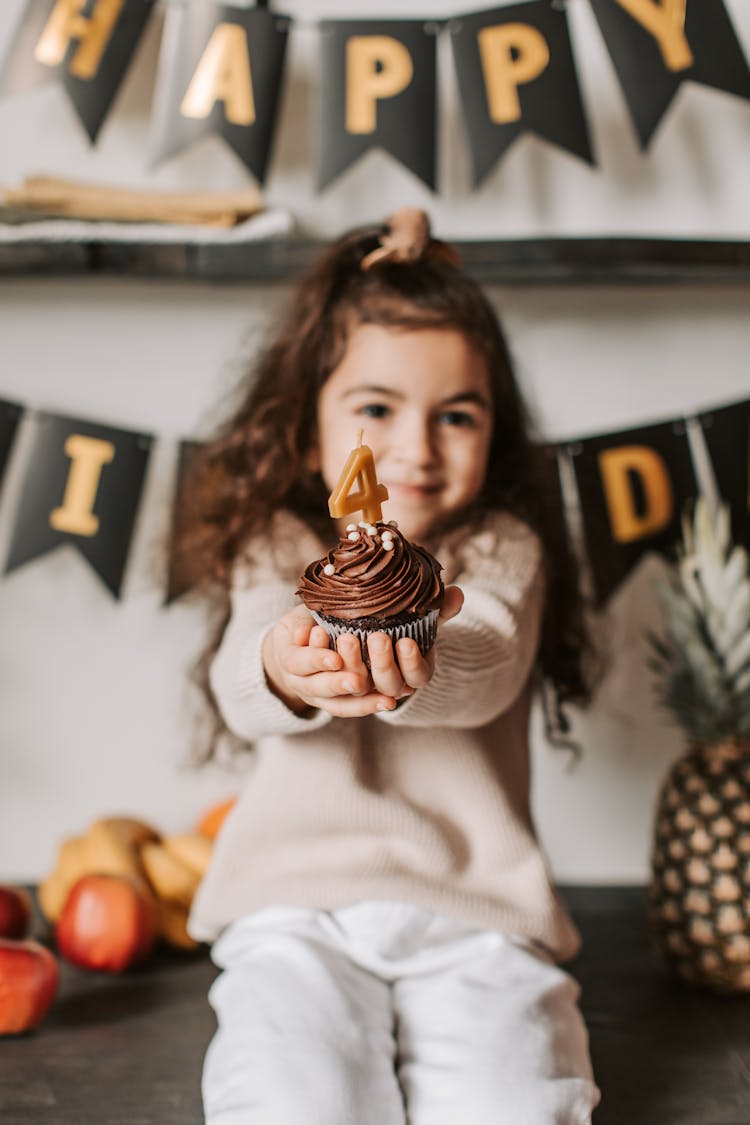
[[738, 612], [690, 583], [737, 657], [722, 528], [687, 533], [677, 607], [735, 571], [702, 660]]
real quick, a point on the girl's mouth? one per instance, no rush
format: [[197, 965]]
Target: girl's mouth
[[416, 490]]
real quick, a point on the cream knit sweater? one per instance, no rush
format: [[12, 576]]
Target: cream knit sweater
[[428, 803]]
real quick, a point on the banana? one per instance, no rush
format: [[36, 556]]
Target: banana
[[52, 893], [108, 851], [192, 849], [173, 925], [170, 878], [168, 871], [72, 859], [130, 832], [72, 862]]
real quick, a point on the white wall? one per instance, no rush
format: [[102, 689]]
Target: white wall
[[93, 692]]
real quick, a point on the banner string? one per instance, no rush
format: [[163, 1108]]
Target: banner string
[[434, 21], [432, 26]]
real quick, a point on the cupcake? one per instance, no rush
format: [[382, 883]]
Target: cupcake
[[375, 581]]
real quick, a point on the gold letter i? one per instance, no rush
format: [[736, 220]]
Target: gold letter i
[[88, 456]]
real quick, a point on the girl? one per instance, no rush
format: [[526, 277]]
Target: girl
[[381, 911]]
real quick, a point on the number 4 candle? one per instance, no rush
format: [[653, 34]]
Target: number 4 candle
[[359, 467]]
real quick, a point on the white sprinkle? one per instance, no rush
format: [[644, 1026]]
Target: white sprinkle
[[351, 527], [353, 535], [371, 530], [329, 569], [387, 536], [387, 544], [362, 523], [392, 523]]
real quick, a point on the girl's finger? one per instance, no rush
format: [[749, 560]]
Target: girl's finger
[[350, 651], [353, 706], [386, 674], [297, 625], [415, 668], [327, 685], [452, 603], [301, 635], [319, 638], [307, 661]]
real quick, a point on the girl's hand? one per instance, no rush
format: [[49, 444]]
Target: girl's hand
[[398, 673], [305, 673]]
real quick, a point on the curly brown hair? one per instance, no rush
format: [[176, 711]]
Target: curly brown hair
[[257, 463]]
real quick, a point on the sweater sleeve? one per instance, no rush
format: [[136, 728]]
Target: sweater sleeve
[[484, 656], [260, 595]]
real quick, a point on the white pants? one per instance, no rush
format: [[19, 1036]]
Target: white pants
[[382, 1014]]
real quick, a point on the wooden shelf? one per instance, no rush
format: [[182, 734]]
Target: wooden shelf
[[548, 261]]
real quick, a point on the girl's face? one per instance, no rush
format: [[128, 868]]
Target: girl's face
[[422, 397]]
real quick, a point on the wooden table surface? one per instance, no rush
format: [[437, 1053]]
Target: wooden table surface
[[128, 1050]]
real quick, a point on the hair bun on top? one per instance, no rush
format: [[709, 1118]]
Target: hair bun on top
[[406, 238]]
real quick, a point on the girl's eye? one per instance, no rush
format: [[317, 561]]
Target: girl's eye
[[374, 410], [458, 418]]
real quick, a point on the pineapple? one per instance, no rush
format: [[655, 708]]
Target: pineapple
[[699, 895]]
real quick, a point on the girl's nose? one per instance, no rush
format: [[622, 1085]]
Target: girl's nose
[[416, 444]]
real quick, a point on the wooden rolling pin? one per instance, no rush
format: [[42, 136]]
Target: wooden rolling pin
[[69, 199]]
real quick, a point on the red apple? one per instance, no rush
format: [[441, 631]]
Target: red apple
[[108, 923], [29, 976], [15, 912]]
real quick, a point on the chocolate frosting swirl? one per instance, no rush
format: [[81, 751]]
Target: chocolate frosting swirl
[[370, 581]]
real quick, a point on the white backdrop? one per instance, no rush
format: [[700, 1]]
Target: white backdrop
[[94, 698]]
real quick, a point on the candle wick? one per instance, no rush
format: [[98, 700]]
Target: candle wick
[[359, 439]]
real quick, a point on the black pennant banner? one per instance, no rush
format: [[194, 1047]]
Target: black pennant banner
[[179, 578], [88, 44], [83, 486], [516, 74], [655, 47], [726, 432], [10, 413], [378, 91], [632, 488], [221, 71]]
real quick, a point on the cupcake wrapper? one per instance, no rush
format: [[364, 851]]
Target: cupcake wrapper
[[423, 631]]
